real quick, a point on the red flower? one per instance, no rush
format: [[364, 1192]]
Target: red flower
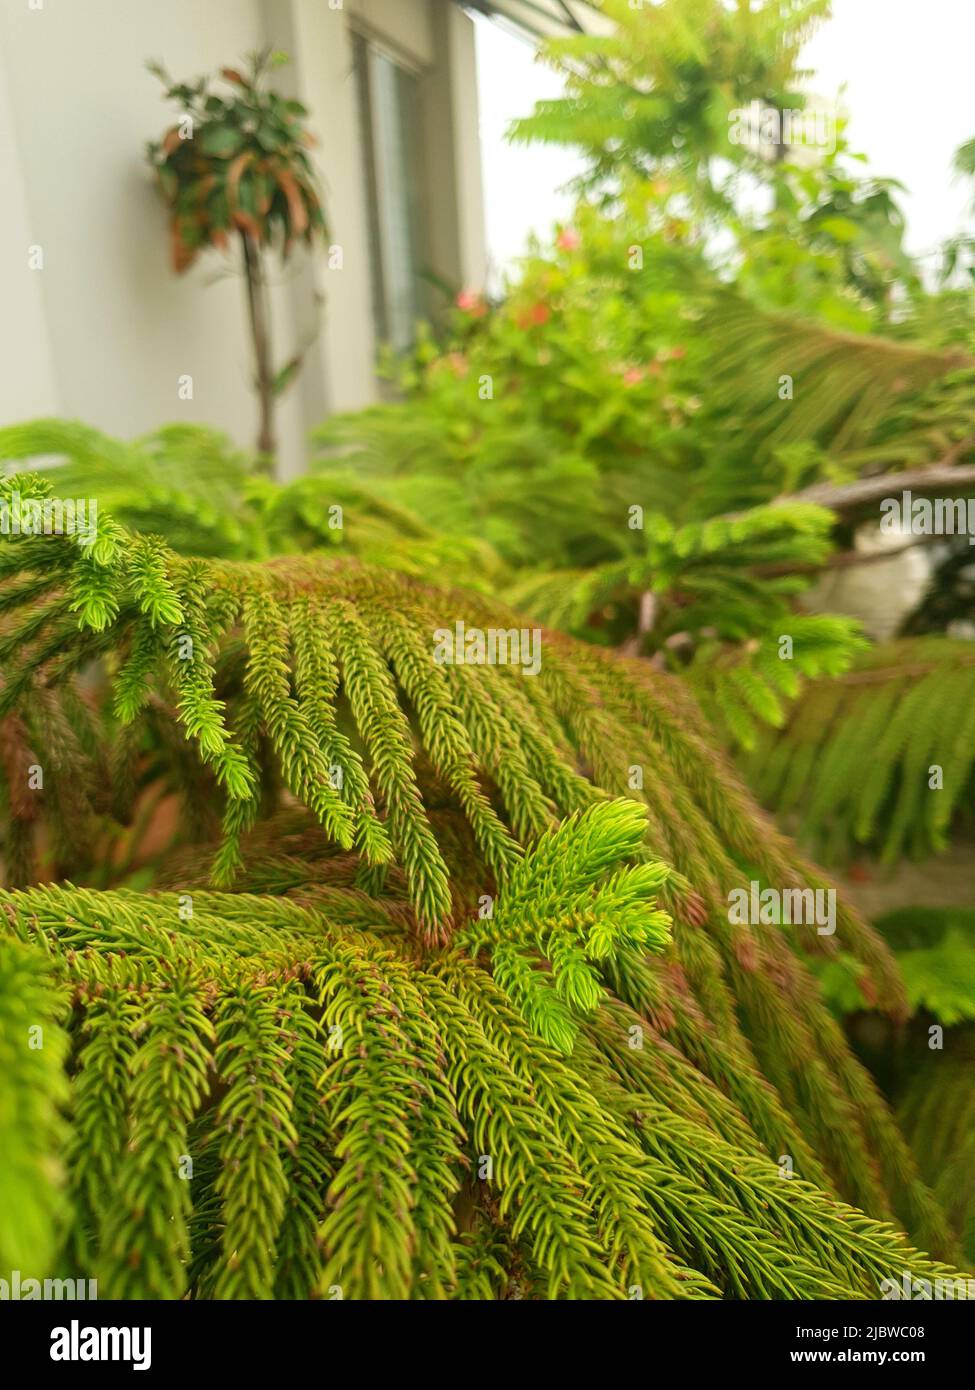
[[534, 316], [568, 240]]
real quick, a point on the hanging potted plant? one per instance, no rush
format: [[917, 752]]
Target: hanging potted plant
[[236, 165]]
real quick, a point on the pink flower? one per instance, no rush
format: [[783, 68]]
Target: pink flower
[[458, 363], [472, 302], [568, 240], [633, 376]]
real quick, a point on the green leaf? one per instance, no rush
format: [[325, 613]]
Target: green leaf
[[220, 141]]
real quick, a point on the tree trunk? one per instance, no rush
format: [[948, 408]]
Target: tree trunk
[[261, 338]]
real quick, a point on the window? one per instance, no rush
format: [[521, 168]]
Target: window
[[390, 116]]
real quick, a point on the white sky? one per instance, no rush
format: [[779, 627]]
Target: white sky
[[907, 66]]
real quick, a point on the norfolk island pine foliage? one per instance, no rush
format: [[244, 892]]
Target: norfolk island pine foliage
[[445, 999], [469, 1020]]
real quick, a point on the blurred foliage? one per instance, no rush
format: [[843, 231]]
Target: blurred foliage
[[659, 93], [883, 758], [614, 428], [192, 486], [927, 1069], [937, 1109], [935, 949]]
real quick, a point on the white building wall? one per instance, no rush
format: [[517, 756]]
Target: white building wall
[[106, 330], [27, 380]]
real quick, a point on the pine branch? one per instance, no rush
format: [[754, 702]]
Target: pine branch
[[466, 919]]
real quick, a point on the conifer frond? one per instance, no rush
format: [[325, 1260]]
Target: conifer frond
[[747, 688], [722, 602], [33, 1088], [934, 423], [294, 1106], [184, 482], [140, 1253], [716, 563], [801, 381], [880, 759], [190, 485], [937, 1111], [465, 1042]]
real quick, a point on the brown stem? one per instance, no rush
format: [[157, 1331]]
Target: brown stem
[[844, 497], [848, 559], [848, 496], [646, 618], [648, 611], [261, 338], [887, 673]]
